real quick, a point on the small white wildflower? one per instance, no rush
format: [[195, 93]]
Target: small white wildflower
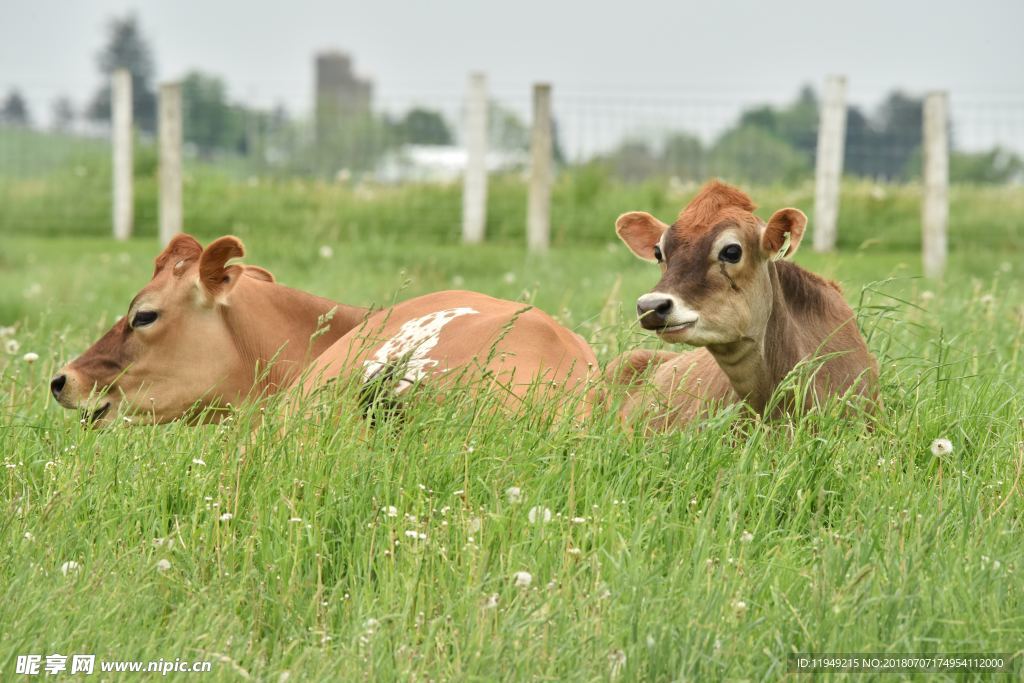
[[412, 533], [390, 510], [491, 602], [740, 606], [295, 520], [579, 520], [522, 579], [371, 625], [163, 565], [746, 537], [30, 357], [29, 536], [574, 551], [514, 494], [326, 252], [537, 513], [198, 461], [941, 447], [12, 346], [460, 492], [226, 517], [69, 567]]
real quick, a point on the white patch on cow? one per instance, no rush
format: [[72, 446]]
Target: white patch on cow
[[415, 339]]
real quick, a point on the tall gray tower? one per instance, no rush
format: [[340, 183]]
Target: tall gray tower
[[340, 94]]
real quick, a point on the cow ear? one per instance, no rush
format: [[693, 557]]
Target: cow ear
[[182, 249], [641, 232], [215, 276], [258, 273], [783, 223]]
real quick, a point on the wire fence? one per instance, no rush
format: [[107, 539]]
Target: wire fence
[[359, 170]]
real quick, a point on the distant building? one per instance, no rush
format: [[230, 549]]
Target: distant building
[[340, 94], [440, 163]]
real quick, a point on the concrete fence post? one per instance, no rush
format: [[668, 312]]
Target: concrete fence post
[[935, 206], [538, 227], [121, 134], [170, 199], [828, 172], [474, 182]]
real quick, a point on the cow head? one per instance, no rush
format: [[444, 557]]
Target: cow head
[[715, 285], [173, 350]]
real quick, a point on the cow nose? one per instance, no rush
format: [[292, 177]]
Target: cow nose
[[57, 385], [653, 310]]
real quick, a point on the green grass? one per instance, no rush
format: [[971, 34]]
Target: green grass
[[705, 554]]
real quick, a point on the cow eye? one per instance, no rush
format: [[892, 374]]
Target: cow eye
[[143, 318], [731, 253], [658, 256]]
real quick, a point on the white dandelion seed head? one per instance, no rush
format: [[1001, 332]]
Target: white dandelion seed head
[[30, 357], [12, 346], [514, 495], [522, 579], [29, 536], [390, 510], [226, 517], [163, 565], [740, 606], [746, 537], [941, 447], [491, 602], [198, 461], [326, 251], [539, 514], [69, 567]]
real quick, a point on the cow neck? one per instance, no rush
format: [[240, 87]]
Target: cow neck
[[272, 326], [756, 366]]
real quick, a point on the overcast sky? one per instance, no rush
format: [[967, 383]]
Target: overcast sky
[[421, 49]]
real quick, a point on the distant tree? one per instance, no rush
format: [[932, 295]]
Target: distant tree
[[63, 114], [15, 110], [633, 160], [898, 132], [210, 122], [753, 154], [996, 165], [684, 157], [506, 130], [424, 127], [127, 48]]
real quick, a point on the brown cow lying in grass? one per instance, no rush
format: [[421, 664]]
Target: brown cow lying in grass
[[723, 287], [205, 333]]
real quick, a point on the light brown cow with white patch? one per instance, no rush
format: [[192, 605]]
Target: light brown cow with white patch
[[725, 288], [200, 335], [204, 333]]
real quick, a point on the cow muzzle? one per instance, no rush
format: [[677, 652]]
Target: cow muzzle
[[665, 313]]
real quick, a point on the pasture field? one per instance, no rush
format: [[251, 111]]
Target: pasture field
[[341, 553]]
